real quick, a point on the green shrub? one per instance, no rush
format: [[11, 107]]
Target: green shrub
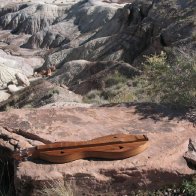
[[94, 96], [170, 82], [190, 186], [122, 97], [115, 78]]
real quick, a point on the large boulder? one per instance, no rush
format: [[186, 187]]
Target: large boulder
[[31, 18], [160, 165]]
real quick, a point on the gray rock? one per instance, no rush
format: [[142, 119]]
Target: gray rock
[[31, 18], [13, 89], [4, 95], [114, 32], [190, 155], [10, 66], [133, 31], [22, 79]]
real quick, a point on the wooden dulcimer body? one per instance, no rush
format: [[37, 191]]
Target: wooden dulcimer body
[[118, 146]]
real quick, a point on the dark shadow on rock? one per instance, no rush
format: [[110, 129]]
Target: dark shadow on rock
[[42, 162], [191, 165], [158, 111]]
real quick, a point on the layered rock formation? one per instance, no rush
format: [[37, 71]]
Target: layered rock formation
[[130, 32], [101, 30]]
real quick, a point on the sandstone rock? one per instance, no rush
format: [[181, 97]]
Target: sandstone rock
[[67, 105], [162, 164], [22, 79], [190, 155]]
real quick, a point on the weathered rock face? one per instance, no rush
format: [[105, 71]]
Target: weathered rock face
[[74, 26], [115, 31], [161, 164], [31, 19], [118, 33], [134, 30], [22, 79]]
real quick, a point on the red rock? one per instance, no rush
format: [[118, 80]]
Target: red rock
[[160, 165]]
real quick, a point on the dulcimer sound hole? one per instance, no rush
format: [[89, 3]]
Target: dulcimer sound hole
[[121, 147], [62, 152]]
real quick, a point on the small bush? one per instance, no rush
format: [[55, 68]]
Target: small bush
[[94, 96], [115, 79], [110, 92], [190, 186], [166, 82], [123, 97]]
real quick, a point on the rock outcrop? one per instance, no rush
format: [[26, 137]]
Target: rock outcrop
[[4, 95], [132, 31], [190, 155], [160, 165], [32, 18], [37, 94], [118, 33]]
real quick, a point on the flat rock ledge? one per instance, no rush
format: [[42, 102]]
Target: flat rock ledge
[[161, 165]]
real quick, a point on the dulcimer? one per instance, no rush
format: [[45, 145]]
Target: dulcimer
[[117, 146]]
